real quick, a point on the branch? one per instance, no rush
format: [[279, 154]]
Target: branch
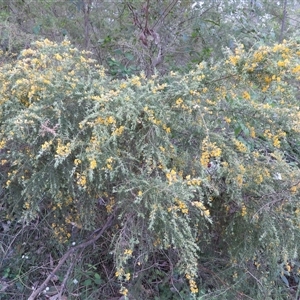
[[283, 21], [63, 285], [165, 13], [92, 239]]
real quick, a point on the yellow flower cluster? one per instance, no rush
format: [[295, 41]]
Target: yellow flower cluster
[[227, 120], [124, 291], [109, 162], [26, 205], [294, 189], [200, 205], [118, 131], [239, 179], [181, 206], [159, 87], [136, 81], [127, 276], [193, 181], [246, 95], [106, 121], [61, 233], [283, 63], [166, 128], [209, 150], [93, 164], [128, 252], [180, 104], [243, 210], [233, 59], [119, 272], [46, 145], [81, 179], [123, 85], [77, 162], [296, 69], [171, 176], [110, 205], [192, 283], [62, 150], [240, 146], [252, 131], [2, 144], [275, 138], [151, 116], [283, 47]]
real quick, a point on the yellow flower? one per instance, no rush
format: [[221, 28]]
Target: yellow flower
[[136, 81], [119, 272], [128, 252], [127, 276], [46, 145], [118, 131], [171, 176], [240, 146], [93, 164], [259, 179], [123, 291], [182, 206], [283, 63], [77, 161], [246, 95], [239, 180], [293, 189], [110, 120], [81, 180], [2, 144], [209, 150], [179, 102], [58, 56], [26, 205], [252, 132], [63, 150], [243, 210], [276, 142], [109, 163], [296, 69], [193, 286], [233, 59], [227, 120]]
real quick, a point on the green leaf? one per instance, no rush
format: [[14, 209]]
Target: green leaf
[[129, 56], [87, 282], [97, 278], [237, 130], [284, 279]]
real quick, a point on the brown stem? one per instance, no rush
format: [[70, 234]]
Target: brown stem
[[92, 239], [283, 21]]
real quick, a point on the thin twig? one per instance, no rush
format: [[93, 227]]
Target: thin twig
[[65, 280], [89, 241]]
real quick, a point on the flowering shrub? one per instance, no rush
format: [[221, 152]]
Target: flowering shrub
[[201, 169]]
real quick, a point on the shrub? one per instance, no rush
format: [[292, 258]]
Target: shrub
[[200, 170]]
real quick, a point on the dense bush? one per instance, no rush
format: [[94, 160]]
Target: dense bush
[[201, 171]]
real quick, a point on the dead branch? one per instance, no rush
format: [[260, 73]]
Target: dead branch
[[92, 239]]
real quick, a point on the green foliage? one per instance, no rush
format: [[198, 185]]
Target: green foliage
[[130, 36], [201, 170]]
